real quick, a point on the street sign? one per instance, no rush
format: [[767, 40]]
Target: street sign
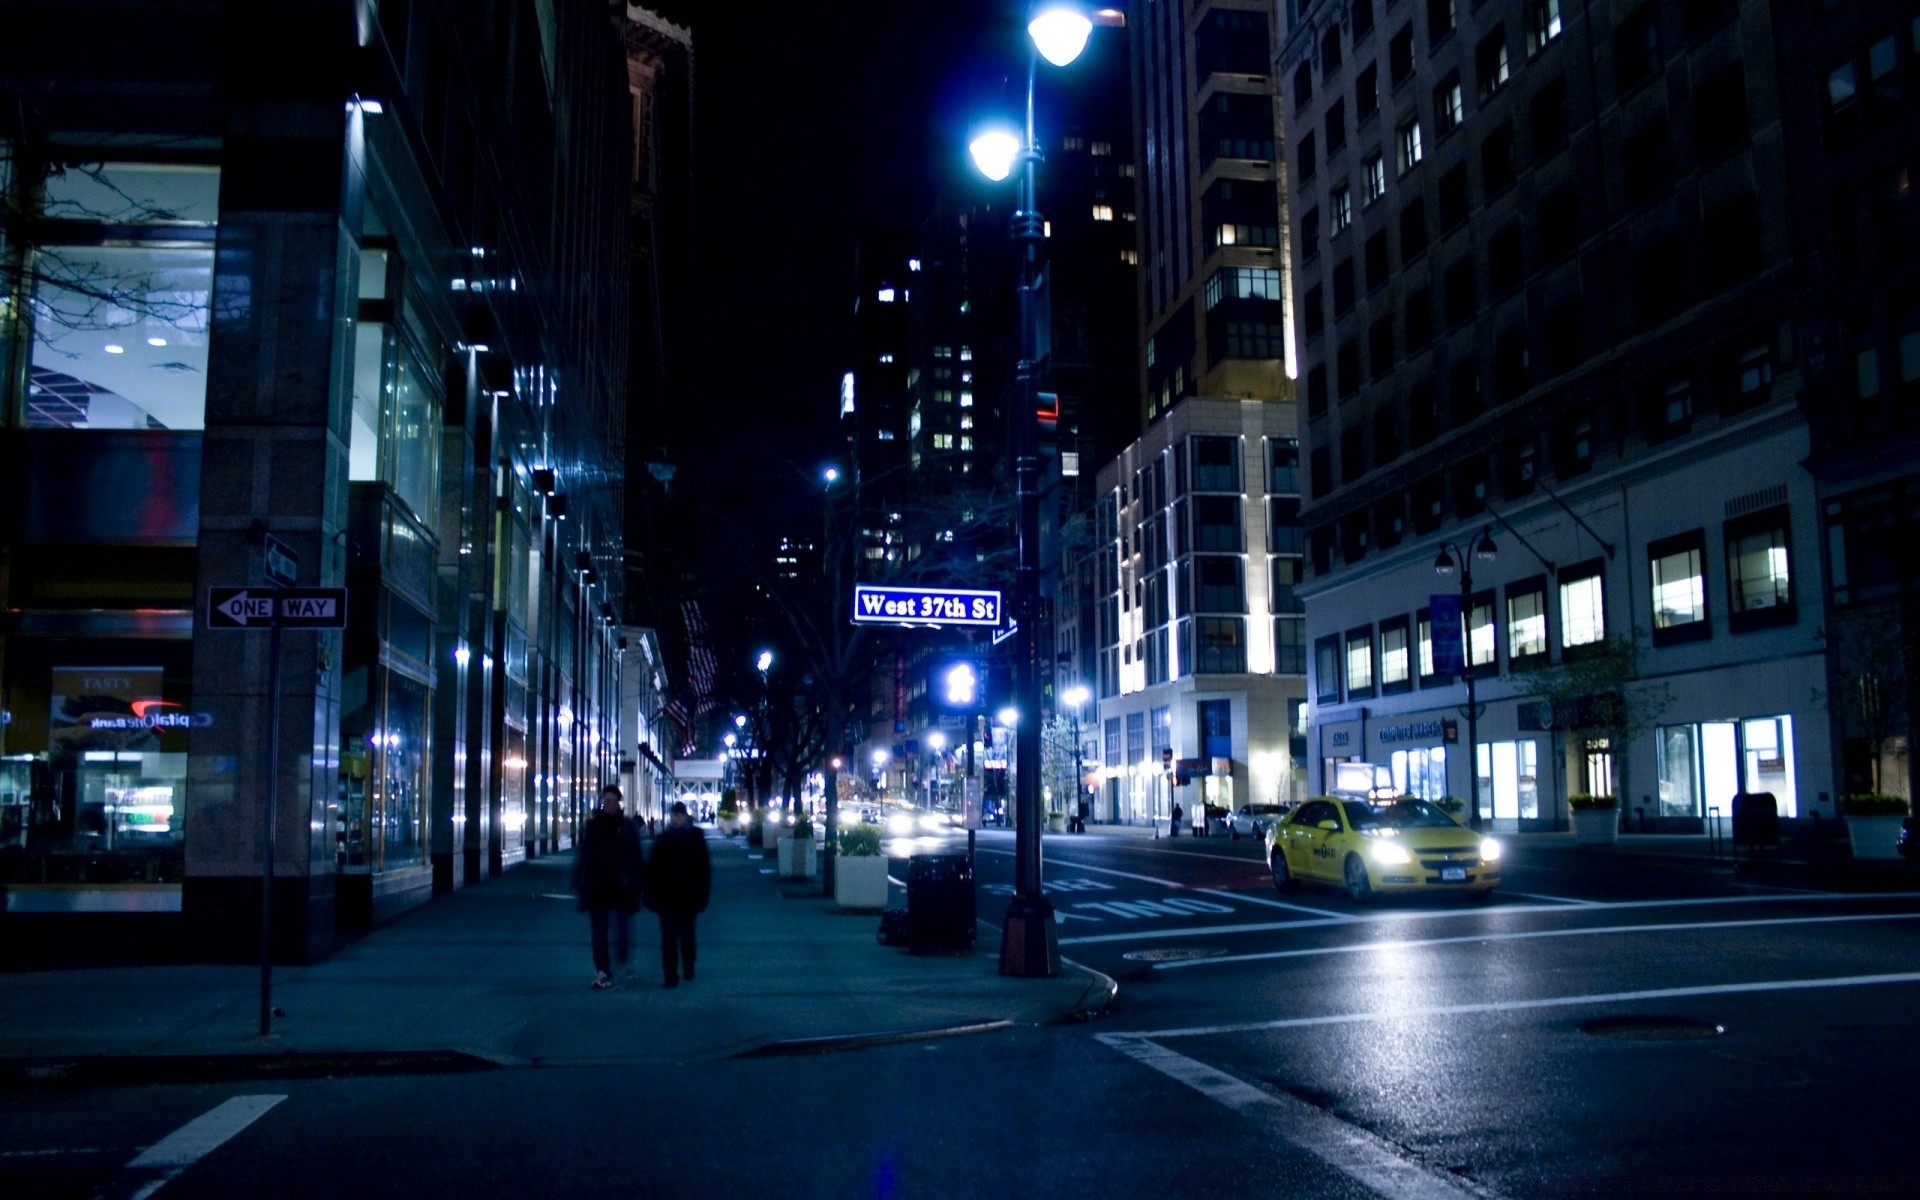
[[240, 608], [313, 608], [283, 565], [289, 608], [924, 606]]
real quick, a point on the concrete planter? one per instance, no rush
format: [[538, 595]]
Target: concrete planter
[[1596, 826], [860, 883], [798, 857], [729, 826], [1056, 823], [1874, 837]]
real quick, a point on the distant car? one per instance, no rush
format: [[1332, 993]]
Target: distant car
[[1405, 846], [1253, 820]]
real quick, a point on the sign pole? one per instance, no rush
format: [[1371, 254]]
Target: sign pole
[[268, 826]]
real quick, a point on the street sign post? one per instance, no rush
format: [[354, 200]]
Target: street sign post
[[874, 605], [274, 609]]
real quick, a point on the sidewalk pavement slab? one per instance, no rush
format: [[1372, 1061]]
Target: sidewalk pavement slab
[[501, 970]]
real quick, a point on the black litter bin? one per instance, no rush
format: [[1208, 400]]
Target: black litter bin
[[939, 903]]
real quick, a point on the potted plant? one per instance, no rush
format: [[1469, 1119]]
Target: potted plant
[[1450, 806], [728, 814], [1873, 823], [860, 871], [1596, 819], [798, 855]]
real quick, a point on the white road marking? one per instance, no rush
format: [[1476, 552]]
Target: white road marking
[[1498, 909], [1366, 1159], [1671, 927], [1592, 1000], [55, 1153], [1263, 901], [1060, 862], [198, 1138], [1551, 899], [1178, 886]]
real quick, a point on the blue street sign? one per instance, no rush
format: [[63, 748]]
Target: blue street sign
[[1449, 657], [924, 606]]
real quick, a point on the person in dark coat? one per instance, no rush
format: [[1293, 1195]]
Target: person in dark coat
[[610, 877], [679, 883]]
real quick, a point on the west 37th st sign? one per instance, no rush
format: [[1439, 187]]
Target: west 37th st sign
[[924, 606]]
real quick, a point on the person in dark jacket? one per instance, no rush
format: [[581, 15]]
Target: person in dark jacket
[[609, 877], [679, 882]]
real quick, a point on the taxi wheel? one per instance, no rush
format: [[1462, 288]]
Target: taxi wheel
[[1359, 887], [1283, 880]]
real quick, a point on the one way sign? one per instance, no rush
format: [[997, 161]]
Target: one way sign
[[262, 608]]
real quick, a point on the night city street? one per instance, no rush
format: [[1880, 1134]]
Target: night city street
[[1014, 599]]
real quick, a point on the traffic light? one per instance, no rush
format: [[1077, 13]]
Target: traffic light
[[957, 685]]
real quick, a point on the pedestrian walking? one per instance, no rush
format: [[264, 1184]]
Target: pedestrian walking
[[609, 877], [1178, 812], [679, 883], [1084, 806]]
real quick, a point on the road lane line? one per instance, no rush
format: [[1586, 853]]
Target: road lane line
[[1497, 910], [198, 1138], [1671, 927], [1262, 900], [1553, 899], [1365, 1158], [1591, 1000], [1061, 862]]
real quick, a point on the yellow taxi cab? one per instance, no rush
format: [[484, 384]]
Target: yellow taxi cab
[[1400, 846]]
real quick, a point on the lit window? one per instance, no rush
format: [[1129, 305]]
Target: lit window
[[1103, 212], [1759, 578], [1527, 622], [913, 264], [1393, 653], [966, 354], [1130, 257], [886, 358], [886, 295], [886, 435], [1679, 586], [1360, 661], [966, 421], [1543, 23], [966, 399], [1342, 204], [943, 441], [1411, 150], [1449, 105], [1102, 149], [1069, 463], [966, 443], [1583, 612], [1373, 178]]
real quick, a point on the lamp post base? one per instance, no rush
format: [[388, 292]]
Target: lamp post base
[[1029, 948]]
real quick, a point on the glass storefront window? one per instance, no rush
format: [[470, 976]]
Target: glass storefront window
[[1766, 746], [1675, 748], [1420, 773], [119, 337], [1703, 766], [396, 419], [1510, 779]]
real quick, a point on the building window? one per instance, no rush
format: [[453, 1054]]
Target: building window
[[1453, 198], [1336, 127], [1326, 670], [1395, 664], [1216, 464], [1341, 202], [1548, 109], [1305, 155], [1221, 647], [1543, 24], [1527, 621], [1482, 645], [1366, 93], [1583, 606], [1677, 570], [1491, 69], [1449, 105], [1423, 646], [1636, 48], [1103, 212], [1400, 55], [1759, 574], [1302, 87], [1496, 159], [1439, 20], [1373, 178], [1509, 778], [1362, 16], [1413, 230], [1290, 645], [1411, 151], [1359, 663]]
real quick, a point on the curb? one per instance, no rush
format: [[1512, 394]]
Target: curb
[[1102, 990], [861, 1041]]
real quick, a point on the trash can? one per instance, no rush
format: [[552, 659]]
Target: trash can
[[939, 904], [1756, 820]]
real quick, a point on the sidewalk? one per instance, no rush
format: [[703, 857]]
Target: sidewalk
[[500, 971]]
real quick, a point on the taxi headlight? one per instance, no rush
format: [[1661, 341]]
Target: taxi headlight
[[1489, 850], [900, 825], [933, 822], [1391, 854]]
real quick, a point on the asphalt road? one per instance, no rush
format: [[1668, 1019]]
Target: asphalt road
[[1599, 1029]]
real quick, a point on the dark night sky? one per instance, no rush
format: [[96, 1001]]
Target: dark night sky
[[811, 122]]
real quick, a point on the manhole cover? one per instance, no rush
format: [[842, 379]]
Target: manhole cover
[[1652, 1028], [1170, 955]]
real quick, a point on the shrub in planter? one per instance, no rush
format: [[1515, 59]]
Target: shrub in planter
[[729, 803], [860, 841], [1448, 804], [1873, 804], [860, 876], [1587, 802], [803, 828]]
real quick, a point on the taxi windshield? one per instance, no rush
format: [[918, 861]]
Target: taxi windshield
[[1401, 814]]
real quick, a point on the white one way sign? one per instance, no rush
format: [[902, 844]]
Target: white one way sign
[[289, 608]]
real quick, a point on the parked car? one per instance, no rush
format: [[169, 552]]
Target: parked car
[[1253, 820]]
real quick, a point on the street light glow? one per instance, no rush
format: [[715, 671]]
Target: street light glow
[[739, 720], [830, 474], [1009, 716], [766, 660], [879, 756], [994, 153], [937, 740], [1075, 696], [1060, 31]]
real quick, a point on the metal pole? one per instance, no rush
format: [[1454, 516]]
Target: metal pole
[[1473, 707], [1028, 946], [966, 789], [269, 824], [1079, 774]]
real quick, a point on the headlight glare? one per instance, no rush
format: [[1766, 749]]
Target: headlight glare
[[1391, 854], [1489, 850]]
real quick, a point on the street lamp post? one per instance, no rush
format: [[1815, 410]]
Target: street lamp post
[[1453, 558], [1028, 946]]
